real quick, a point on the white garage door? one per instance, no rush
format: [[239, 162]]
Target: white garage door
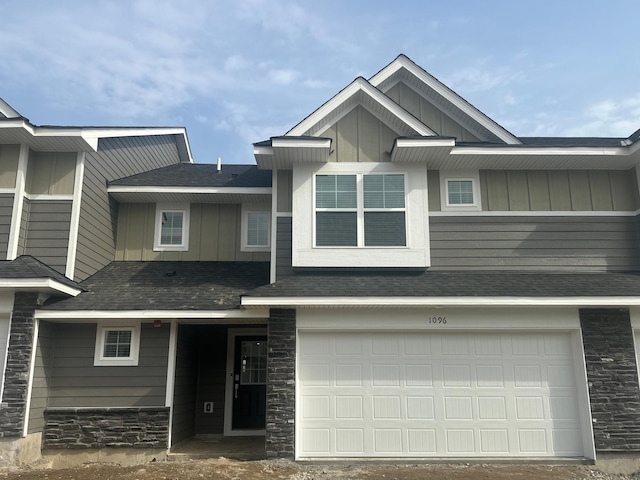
[[437, 395]]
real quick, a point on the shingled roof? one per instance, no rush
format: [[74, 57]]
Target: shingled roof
[[199, 175], [167, 286], [392, 283], [26, 267]]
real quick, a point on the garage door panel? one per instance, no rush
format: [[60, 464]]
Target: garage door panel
[[421, 395]]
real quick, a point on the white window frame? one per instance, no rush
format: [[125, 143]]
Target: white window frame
[[360, 210], [473, 177], [99, 360], [246, 210], [161, 208]]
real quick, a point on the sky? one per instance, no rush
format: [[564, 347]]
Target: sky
[[236, 72]]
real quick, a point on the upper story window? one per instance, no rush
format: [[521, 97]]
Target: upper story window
[[172, 227], [256, 228], [360, 210], [460, 191]]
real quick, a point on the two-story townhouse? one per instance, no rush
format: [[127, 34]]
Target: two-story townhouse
[[398, 277], [57, 227]]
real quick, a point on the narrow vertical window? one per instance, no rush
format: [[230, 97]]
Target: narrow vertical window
[[336, 211], [384, 211], [258, 229], [171, 229]]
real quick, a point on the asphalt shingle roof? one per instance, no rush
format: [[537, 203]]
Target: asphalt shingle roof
[[167, 286], [28, 267], [450, 284], [199, 175]]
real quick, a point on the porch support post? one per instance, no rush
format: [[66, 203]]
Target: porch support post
[[13, 411], [281, 388]]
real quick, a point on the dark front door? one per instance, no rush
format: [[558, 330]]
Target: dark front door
[[249, 383]]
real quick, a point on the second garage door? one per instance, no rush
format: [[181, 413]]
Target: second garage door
[[437, 395]]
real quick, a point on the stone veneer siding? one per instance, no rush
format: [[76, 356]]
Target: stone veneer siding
[[143, 427], [613, 379], [281, 385], [18, 366]]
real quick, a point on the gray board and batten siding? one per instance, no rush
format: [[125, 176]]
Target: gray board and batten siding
[[116, 158], [214, 234], [67, 355]]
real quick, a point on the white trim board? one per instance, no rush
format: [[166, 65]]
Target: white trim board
[[32, 366], [38, 284], [376, 302], [237, 316], [193, 190], [537, 213], [18, 201], [75, 216]]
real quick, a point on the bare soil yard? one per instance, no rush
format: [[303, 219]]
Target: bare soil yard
[[225, 469]]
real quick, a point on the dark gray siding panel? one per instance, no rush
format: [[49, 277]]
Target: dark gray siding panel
[[283, 247], [48, 232], [75, 382], [186, 384], [41, 372], [116, 158], [531, 242], [211, 379], [6, 208]]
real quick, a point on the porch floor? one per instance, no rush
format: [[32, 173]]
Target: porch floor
[[214, 446]]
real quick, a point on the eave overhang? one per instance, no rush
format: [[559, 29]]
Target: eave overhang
[[421, 150], [40, 285], [178, 194], [417, 302], [256, 315], [284, 152], [80, 139]]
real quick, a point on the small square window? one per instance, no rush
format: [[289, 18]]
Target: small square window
[[172, 227], [460, 191], [117, 345]]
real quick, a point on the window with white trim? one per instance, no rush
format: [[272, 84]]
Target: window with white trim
[[117, 345], [172, 227], [256, 228], [360, 210], [460, 191]]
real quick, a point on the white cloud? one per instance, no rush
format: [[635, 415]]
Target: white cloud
[[283, 76], [475, 79]]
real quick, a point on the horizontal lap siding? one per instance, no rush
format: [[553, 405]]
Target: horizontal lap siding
[[6, 207], [283, 247], [212, 371], [116, 158], [75, 382], [589, 243], [186, 384], [48, 232]]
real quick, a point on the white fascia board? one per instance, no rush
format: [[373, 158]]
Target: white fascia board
[[361, 85], [151, 314], [437, 301], [568, 151], [300, 142], [193, 190], [404, 62], [7, 110], [38, 284], [262, 150], [424, 142]]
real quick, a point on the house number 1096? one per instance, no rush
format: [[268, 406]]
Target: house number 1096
[[437, 320]]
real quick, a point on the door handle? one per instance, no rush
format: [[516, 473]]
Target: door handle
[[236, 389]]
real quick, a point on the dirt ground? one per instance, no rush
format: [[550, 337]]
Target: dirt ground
[[225, 469]]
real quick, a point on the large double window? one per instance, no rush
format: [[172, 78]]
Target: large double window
[[360, 210]]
